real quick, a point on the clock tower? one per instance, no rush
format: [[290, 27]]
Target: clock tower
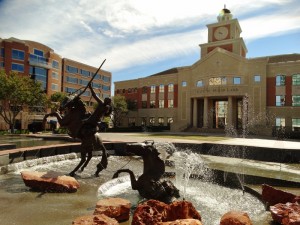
[[224, 34]]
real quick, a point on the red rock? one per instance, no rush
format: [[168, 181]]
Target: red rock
[[235, 218], [152, 212], [95, 220], [117, 208], [286, 214], [273, 196], [49, 181], [182, 222]]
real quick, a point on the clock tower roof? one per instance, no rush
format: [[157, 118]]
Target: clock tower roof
[[224, 15]]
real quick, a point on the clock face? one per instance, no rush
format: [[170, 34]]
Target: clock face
[[221, 33]]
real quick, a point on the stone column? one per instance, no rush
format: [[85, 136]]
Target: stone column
[[195, 112], [230, 112], [205, 113]]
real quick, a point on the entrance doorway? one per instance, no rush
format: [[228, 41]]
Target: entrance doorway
[[220, 114]]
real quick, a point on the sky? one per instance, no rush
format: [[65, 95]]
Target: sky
[[139, 38]]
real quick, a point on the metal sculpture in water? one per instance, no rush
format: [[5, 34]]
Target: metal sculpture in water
[[149, 184], [83, 125]]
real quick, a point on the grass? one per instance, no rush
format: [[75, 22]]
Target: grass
[[186, 137]]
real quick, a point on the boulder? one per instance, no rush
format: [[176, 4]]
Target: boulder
[[117, 208], [49, 181], [286, 214], [95, 220], [182, 222], [235, 218], [153, 212], [273, 196]]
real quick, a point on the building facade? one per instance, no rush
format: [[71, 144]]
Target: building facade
[[57, 74], [222, 91]]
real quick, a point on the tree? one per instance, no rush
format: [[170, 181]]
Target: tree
[[56, 99], [16, 93], [120, 109]]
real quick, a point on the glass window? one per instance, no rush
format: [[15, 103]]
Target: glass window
[[170, 87], [217, 81], [280, 122], [106, 79], [55, 75], [2, 53], [105, 88], [296, 124], [151, 121], [170, 120], [161, 104], [55, 64], [144, 90], [280, 80], [161, 88], [39, 74], [170, 103], [95, 85], [161, 121], [199, 83], [296, 100], [152, 88], [38, 52], [17, 67], [85, 73], [236, 80], [70, 90], [257, 78], [2, 64], [72, 69], [144, 104], [54, 87], [152, 104], [37, 59], [183, 83], [280, 100], [86, 93], [84, 82], [296, 79], [18, 54], [72, 80]]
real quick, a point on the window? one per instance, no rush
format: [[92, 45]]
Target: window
[[2, 64], [85, 73], [296, 79], [170, 103], [280, 122], [169, 120], [38, 52], [54, 87], [55, 75], [144, 90], [17, 67], [161, 88], [296, 100], [72, 69], [37, 59], [72, 80], [161, 104], [236, 80], [144, 121], [131, 121], [217, 81], [257, 78], [17, 54], [39, 74], [105, 88], [151, 121], [170, 87], [152, 89], [55, 64], [106, 79], [95, 85], [70, 90], [84, 82], [296, 124], [199, 83], [144, 104], [2, 52], [280, 100], [161, 121], [183, 83], [280, 80], [86, 93], [152, 104]]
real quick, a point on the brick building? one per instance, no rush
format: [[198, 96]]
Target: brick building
[[222, 91]]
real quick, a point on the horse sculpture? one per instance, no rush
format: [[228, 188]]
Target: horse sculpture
[[83, 125], [149, 184]]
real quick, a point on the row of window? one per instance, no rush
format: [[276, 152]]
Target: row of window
[[132, 121], [280, 80], [85, 73], [161, 104], [280, 100], [280, 122]]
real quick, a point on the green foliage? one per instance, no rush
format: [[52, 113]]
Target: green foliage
[[17, 92], [120, 109], [55, 100]]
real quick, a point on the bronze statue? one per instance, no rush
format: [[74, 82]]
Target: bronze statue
[[149, 184], [83, 125]]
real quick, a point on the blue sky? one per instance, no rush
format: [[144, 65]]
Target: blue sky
[[141, 37]]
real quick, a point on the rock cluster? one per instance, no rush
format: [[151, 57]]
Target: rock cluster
[[284, 206], [95, 220], [49, 181], [235, 218]]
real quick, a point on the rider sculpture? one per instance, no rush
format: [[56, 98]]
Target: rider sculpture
[[83, 125], [149, 184]]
